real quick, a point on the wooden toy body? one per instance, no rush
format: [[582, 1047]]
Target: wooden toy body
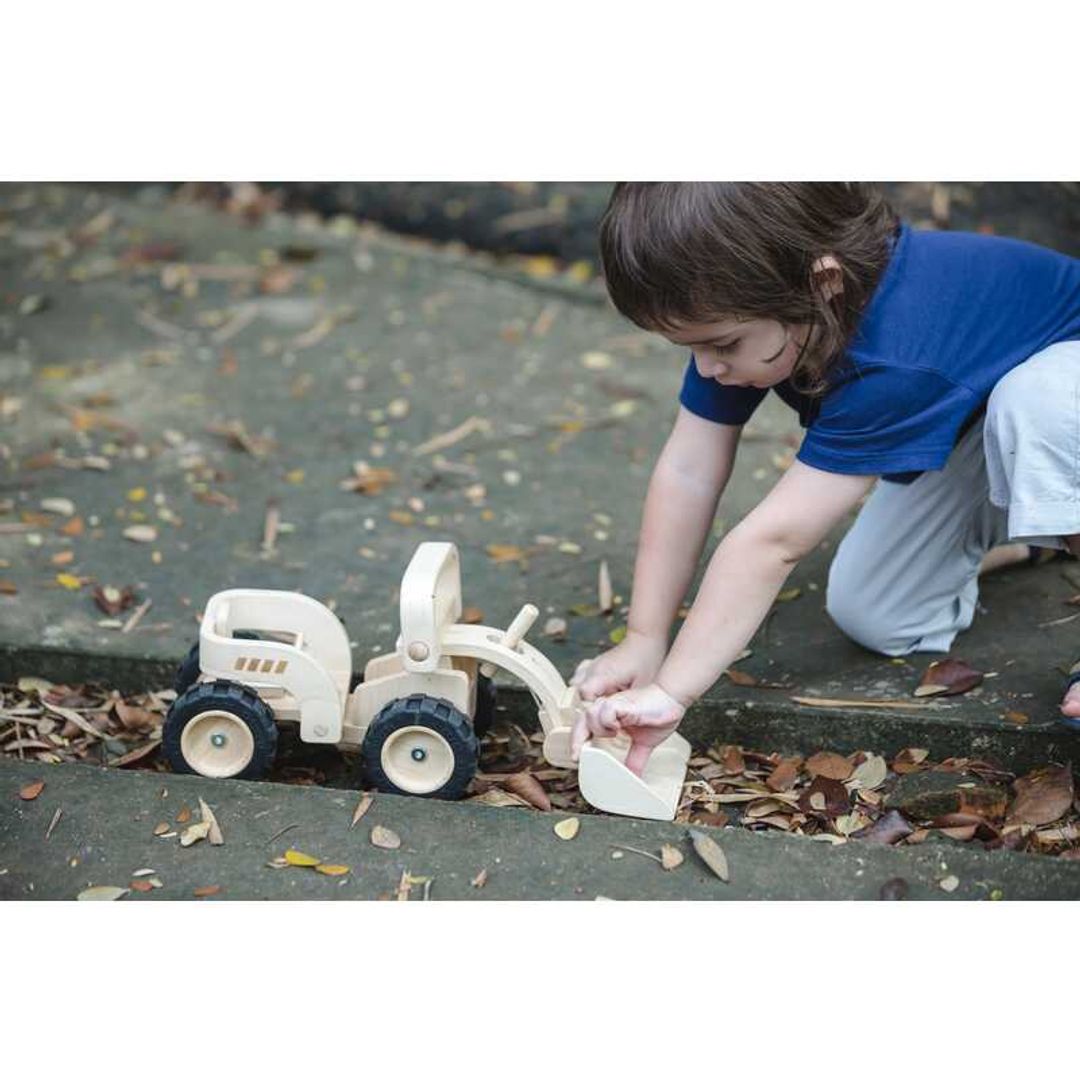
[[296, 657]]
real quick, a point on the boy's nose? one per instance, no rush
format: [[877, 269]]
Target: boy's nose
[[712, 369]]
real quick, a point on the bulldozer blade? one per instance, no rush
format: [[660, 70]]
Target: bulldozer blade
[[607, 783]]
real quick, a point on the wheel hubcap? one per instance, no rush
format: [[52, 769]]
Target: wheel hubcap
[[417, 760], [217, 744]]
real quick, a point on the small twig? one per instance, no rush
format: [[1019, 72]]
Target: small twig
[[1058, 622], [455, 435], [56, 818], [158, 326], [270, 526], [136, 616], [860, 703], [282, 832], [427, 889], [242, 319], [638, 851], [18, 740]]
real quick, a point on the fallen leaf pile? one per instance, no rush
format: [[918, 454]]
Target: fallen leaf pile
[[827, 796], [53, 723]]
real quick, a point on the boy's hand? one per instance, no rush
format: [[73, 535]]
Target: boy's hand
[[633, 662], [648, 714]]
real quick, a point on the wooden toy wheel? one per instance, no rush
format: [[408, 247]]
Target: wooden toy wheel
[[220, 730], [422, 746]]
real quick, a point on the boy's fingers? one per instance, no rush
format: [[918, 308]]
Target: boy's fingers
[[639, 754], [579, 672], [579, 734]]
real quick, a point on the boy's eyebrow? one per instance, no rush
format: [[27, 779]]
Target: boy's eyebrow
[[713, 337]]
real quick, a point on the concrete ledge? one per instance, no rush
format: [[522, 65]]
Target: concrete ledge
[[109, 816]]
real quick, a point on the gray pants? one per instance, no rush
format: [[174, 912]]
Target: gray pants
[[905, 577]]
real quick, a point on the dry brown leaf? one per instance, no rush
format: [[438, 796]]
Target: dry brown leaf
[[480, 880], [604, 592], [383, 837], [710, 853], [671, 858], [194, 833], [102, 892], [331, 869], [784, 775], [133, 718], [501, 553], [890, 828], [568, 828], [530, 789], [825, 796], [367, 480], [472, 615], [910, 760], [1042, 796], [496, 796], [161, 828], [362, 807], [141, 534], [214, 833], [732, 760], [740, 678], [947, 677], [206, 890], [32, 790], [184, 815], [112, 600], [869, 774], [831, 766], [140, 886]]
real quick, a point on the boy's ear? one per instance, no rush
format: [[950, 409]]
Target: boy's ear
[[827, 276]]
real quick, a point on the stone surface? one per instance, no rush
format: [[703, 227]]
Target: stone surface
[[106, 833], [211, 405]]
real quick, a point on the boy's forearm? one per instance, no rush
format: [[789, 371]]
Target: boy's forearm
[[736, 593], [675, 523]]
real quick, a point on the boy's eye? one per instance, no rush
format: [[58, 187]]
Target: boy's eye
[[724, 350]]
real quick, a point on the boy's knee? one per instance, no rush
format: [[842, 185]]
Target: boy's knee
[[857, 620]]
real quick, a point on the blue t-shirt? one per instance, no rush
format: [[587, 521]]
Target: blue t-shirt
[[952, 314]]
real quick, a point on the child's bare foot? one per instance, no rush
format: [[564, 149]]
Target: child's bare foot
[[1070, 706], [1005, 555], [1011, 554]]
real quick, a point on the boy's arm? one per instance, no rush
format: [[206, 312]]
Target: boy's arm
[[687, 482], [744, 575], [747, 570]]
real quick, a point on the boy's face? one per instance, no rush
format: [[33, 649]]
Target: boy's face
[[742, 352]]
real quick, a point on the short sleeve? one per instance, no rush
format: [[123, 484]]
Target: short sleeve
[[887, 420], [721, 404]]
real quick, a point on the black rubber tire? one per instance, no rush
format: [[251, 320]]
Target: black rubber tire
[[188, 672], [229, 697], [440, 716], [485, 705]]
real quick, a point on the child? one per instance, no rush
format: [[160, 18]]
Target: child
[[944, 365]]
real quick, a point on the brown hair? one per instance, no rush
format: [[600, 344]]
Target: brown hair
[[676, 253]]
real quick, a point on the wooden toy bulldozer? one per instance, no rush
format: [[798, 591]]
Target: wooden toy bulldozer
[[266, 657]]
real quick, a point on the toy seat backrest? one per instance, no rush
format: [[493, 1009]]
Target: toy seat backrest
[[430, 601]]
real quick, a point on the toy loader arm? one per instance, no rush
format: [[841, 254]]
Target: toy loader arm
[[430, 602]]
